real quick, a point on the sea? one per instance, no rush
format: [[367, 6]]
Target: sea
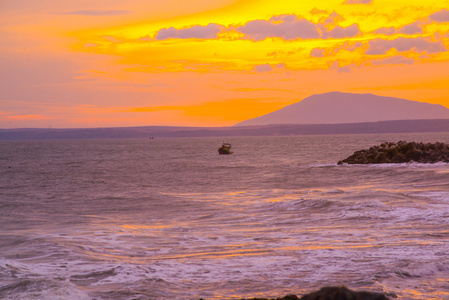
[[170, 218]]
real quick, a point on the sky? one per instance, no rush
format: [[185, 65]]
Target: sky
[[116, 63]]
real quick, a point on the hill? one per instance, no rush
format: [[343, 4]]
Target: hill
[[339, 108]]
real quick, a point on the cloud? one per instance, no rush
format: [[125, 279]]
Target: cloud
[[317, 52], [341, 69], [287, 27], [394, 60], [358, 1], [111, 39], [414, 28], [386, 30], [100, 12], [259, 89], [351, 46], [348, 46], [343, 32], [280, 66], [268, 68], [316, 11], [440, 16], [243, 107], [333, 19], [145, 38], [290, 27], [25, 117], [91, 45], [196, 32], [263, 68], [329, 27], [420, 44]]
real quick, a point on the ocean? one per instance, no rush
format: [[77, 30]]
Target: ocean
[[172, 219]]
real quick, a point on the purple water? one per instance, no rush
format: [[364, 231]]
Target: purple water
[[172, 219]]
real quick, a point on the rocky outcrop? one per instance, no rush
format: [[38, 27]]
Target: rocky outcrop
[[342, 293], [400, 152], [334, 293], [288, 297]]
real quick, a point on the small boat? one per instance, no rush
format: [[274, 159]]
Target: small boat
[[225, 149]]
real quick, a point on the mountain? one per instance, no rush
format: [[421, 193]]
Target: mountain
[[339, 108]]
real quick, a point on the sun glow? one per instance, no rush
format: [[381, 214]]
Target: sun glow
[[174, 54]]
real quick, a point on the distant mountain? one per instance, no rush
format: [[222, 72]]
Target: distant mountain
[[339, 108]]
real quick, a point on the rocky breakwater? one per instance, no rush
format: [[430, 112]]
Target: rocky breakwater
[[400, 152]]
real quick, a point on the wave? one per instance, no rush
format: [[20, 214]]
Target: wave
[[423, 269], [30, 289]]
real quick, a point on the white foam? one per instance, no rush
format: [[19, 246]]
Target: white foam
[[13, 266], [38, 289], [334, 192], [324, 165], [423, 269], [436, 195]]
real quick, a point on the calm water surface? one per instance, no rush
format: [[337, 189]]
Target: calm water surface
[[172, 219]]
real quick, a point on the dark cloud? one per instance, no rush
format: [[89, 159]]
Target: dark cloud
[[196, 32], [317, 52], [358, 1], [414, 28], [268, 68], [386, 30], [440, 16], [287, 27], [263, 68], [101, 12], [290, 27], [341, 69], [343, 32], [394, 60], [333, 19], [420, 44]]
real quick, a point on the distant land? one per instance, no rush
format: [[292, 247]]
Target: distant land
[[344, 108], [329, 113], [401, 126]]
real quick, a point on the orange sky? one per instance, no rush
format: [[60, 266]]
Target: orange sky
[[110, 63]]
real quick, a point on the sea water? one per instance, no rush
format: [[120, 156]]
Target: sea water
[[173, 219]]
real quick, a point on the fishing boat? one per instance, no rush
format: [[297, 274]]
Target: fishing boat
[[225, 149]]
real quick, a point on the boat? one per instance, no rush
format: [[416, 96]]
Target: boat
[[225, 149]]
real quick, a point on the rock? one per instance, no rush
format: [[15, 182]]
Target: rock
[[288, 297], [334, 293], [400, 152], [342, 293]]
